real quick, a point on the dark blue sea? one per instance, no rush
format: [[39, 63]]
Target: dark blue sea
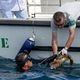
[[66, 72]]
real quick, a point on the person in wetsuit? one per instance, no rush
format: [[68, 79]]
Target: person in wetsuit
[[23, 60]]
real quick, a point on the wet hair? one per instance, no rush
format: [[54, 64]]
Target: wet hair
[[21, 59], [58, 16]]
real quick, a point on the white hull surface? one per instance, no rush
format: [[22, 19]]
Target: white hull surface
[[12, 36]]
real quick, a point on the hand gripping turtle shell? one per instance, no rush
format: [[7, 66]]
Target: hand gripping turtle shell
[[60, 60]]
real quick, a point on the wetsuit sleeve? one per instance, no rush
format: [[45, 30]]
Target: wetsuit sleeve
[[49, 59]]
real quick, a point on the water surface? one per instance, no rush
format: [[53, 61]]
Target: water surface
[[66, 72]]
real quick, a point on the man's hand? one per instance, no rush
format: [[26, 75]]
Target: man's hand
[[64, 51]]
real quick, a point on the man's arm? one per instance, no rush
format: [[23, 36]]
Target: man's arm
[[54, 42], [70, 38]]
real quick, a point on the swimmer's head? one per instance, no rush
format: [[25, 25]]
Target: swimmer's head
[[23, 62]]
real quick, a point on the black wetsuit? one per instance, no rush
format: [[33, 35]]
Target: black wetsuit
[[48, 60]]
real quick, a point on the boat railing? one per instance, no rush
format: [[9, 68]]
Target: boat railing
[[43, 8]]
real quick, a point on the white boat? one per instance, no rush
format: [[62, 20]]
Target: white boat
[[13, 33]]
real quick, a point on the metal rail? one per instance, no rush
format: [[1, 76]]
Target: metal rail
[[43, 5]]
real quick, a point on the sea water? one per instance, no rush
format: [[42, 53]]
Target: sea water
[[37, 72]]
